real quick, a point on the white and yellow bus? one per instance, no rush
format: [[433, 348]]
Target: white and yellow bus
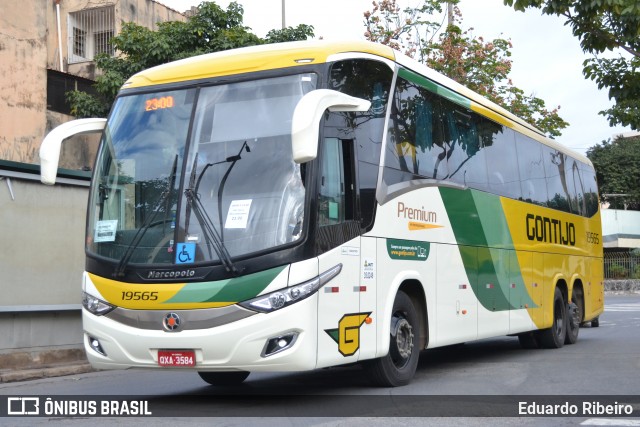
[[302, 205]]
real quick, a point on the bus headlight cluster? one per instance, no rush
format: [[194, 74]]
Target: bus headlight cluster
[[287, 296], [95, 305]]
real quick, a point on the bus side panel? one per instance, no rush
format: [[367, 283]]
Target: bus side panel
[[457, 309], [597, 288], [521, 295], [368, 289], [339, 316]]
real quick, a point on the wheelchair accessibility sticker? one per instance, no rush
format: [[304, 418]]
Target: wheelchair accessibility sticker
[[185, 253]]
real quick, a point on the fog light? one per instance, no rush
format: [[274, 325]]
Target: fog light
[[277, 344], [95, 345]]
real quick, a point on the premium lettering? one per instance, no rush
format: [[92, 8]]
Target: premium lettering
[[550, 230], [418, 214]]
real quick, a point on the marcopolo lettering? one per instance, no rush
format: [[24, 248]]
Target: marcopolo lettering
[[550, 230], [170, 274]]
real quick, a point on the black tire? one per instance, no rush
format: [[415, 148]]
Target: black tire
[[574, 316], [528, 340], [224, 378], [554, 336], [398, 367], [595, 322]]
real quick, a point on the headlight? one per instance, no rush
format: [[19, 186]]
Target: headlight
[[95, 305], [287, 296]]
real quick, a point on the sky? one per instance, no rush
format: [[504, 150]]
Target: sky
[[547, 58]]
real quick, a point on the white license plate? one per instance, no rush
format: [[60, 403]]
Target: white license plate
[[176, 358]]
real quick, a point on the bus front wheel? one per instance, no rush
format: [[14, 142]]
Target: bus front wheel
[[399, 365], [224, 378], [554, 336]]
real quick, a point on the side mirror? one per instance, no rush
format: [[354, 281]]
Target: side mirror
[[50, 147], [307, 115]]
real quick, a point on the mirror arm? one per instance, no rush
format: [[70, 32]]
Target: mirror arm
[[52, 143]]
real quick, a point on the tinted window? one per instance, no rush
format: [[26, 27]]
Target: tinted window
[[590, 189], [555, 163], [575, 187], [531, 165], [502, 164], [466, 136], [414, 142], [370, 80]]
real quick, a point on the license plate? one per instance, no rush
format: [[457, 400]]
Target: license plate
[[176, 358]]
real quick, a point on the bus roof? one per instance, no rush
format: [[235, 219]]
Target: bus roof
[[282, 55]]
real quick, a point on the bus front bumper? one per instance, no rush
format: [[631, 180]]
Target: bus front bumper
[[238, 345]]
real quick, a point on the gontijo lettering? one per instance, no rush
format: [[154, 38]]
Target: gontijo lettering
[[550, 230]]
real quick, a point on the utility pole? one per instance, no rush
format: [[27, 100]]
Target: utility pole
[[449, 14], [283, 15]]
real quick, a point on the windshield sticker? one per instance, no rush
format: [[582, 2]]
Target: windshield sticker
[[106, 231], [238, 214], [185, 253]]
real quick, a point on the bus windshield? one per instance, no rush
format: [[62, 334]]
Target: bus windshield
[[229, 189]]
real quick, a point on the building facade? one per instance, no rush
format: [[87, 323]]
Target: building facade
[[46, 49]]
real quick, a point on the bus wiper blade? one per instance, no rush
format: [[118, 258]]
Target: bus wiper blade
[[211, 234], [137, 238]]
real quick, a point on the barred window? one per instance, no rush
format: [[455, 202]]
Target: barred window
[[90, 33]]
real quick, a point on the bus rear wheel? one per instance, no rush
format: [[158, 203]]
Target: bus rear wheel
[[224, 378], [574, 314], [554, 336], [398, 367]]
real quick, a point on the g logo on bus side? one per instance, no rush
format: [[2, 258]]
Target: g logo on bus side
[[347, 335]]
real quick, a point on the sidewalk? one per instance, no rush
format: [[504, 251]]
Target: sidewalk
[[24, 366]]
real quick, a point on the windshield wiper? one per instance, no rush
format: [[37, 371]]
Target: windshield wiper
[[148, 222], [213, 237]]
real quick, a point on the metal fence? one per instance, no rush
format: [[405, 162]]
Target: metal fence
[[622, 265]]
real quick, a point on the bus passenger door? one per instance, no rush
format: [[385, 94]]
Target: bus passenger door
[[338, 241]]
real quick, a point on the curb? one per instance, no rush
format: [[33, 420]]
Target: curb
[[48, 372]]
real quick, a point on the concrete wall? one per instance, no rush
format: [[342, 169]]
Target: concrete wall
[[620, 228], [42, 261]]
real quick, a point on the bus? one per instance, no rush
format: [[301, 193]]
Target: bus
[[303, 205]]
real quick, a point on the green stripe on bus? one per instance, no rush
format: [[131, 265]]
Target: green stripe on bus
[[228, 290], [434, 87], [486, 249]]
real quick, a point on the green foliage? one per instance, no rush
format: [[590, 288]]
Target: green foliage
[[617, 167], [483, 66], [604, 25], [210, 29], [301, 32]]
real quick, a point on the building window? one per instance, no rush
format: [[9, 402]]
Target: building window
[[102, 42], [58, 84], [90, 33], [79, 42]]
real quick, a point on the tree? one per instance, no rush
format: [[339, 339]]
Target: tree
[[483, 66], [210, 29], [617, 167], [604, 26]]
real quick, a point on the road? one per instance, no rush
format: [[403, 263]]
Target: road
[[604, 361]]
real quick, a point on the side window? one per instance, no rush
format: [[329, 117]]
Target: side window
[[590, 190], [555, 163], [575, 187], [466, 136], [414, 143], [335, 201], [502, 161], [371, 80], [531, 165]]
